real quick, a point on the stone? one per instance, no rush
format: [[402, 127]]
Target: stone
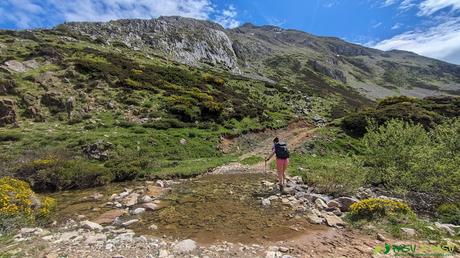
[[314, 219], [67, 236], [297, 179], [333, 220], [28, 231], [153, 191], [273, 254], [185, 246], [345, 203], [283, 249], [153, 226], [97, 196], [273, 197], [163, 253], [108, 217], [380, 237], [320, 204], [333, 204], [160, 183], [409, 231], [124, 237], [129, 222], [183, 141], [138, 211], [94, 239], [146, 198], [86, 224], [131, 199], [15, 66], [265, 202], [448, 228], [150, 206], [7, 112]]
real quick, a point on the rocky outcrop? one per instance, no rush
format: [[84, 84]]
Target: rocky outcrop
[[18, 66], [330, 72], [7, 112], [98, 150], [54, 101], [7, 87], [186, 40]]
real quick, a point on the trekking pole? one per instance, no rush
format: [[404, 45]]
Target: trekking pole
[[265, 167]]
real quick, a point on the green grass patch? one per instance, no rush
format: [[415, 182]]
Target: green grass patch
[[252, 160]]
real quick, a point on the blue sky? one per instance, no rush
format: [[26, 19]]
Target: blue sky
[[427, 27]]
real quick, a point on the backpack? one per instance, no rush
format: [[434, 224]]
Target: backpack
[[281, 150]]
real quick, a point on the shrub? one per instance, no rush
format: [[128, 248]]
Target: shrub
[[405, 158], [449, 213], [376, 208], [20, 206]]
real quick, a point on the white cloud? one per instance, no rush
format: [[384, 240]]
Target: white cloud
[[375, 26], [39, 13], [398, 25], [228, 18], [389, 2], [441, 41], [428, 7]]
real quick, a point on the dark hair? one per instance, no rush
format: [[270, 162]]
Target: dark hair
[[276, 140]]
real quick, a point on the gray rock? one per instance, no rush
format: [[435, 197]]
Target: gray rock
[[86, 224], [345, 203], [314, 219], [138, 211], [96, 238], [185, 246], [146, 198], [131, 200], [266, 202], [150, 206], [409, 231], [67, 236], [380, 237], [320, 204], [333, 220], [129, 222]]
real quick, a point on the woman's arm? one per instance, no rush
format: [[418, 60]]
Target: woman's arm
[[270, 156]]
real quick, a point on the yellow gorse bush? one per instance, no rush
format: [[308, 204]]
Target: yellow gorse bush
[[377, 207], [15, 197], [16, 200]]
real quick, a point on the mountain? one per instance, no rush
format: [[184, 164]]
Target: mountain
[[279, 55]]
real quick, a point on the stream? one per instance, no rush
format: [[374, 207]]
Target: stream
[[209, 208]]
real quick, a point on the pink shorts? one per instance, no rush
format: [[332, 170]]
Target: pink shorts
[[281, 164]]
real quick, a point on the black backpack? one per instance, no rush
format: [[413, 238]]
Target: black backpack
[[281, 150]]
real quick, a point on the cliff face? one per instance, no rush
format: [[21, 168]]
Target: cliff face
[[186, 40], [278, 55]]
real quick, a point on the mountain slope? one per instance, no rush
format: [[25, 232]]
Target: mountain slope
[[258, 51]]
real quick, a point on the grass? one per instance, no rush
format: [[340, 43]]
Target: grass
[[252, 160]]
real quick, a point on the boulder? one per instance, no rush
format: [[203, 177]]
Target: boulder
[[7, 112], [7, 87], [314, 219], [185, 246], [98, 150], [345, 203], [333, 220], [146, 199], [448, 228], [86, 224], [131, 199], [54, 101], [14, 66], [320, 204]]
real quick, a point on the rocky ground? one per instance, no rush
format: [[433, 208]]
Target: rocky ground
[[109, 234]]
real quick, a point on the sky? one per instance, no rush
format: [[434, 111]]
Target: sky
[[426, 27]]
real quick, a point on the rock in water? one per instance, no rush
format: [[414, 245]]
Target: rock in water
[[185, 246], [109, 216]]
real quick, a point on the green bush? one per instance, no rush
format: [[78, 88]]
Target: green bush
[[332, 175], [449, 213], [405, 158]]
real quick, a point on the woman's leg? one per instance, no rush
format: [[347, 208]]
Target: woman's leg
[[279, 169], [285, 165]]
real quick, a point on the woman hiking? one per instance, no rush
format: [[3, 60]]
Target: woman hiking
[[281, 151]]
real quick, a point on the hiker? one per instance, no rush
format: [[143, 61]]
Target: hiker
[[281, 151]]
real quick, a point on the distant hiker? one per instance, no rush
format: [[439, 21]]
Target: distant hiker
[[281, 151], [69, 105]]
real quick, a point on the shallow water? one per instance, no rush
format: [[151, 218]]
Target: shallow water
[[225, 207]]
